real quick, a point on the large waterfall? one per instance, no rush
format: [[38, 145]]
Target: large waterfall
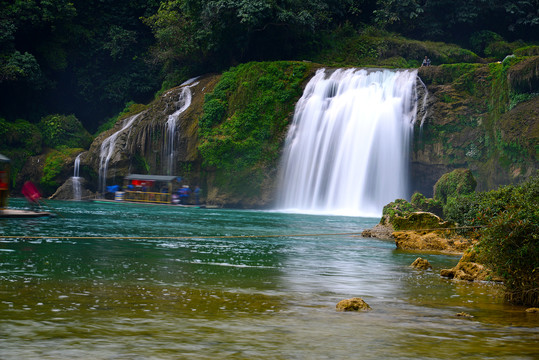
[[347, 150]]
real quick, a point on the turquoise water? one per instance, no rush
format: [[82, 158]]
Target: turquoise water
[[210, 294]]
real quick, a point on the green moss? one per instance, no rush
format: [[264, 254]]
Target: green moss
[[423, 203], [245, 117], [54, 164], [131, 108], [532, 50], [457, 182], [374, 47]]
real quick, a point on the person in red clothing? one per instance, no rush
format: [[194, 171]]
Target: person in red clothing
[[31, 193]]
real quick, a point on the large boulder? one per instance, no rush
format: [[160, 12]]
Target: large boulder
[[457, 182], [437, 241], [67, 190]]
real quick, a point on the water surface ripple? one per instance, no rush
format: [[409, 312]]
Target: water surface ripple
[[205, 295]]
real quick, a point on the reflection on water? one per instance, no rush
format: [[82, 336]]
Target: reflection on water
[[198, 297]]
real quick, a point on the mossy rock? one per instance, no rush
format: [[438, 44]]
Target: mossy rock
[[421, 264], [399, 207], [419, 221], [426, 204], [457, 182], [353, 304]]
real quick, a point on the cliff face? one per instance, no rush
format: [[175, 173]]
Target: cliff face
[[478, 116], [141, 139], [475, 121]]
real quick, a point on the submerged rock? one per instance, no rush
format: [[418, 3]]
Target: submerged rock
[[463, 314], [353, 304], [421, 264]]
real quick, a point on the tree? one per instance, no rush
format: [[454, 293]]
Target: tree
[[218, 33]]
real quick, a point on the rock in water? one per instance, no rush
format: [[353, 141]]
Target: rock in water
[[421, 264], [353, 304]]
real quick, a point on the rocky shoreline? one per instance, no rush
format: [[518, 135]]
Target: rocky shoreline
[[434, 240]]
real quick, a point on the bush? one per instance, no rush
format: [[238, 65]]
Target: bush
[[457, 182], [510, 242], [61, 130], [20, 135], [425, 204]]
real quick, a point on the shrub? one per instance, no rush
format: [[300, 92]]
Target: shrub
[[20, 135], [509, 234], [425, 204], [60, 130], [510, 242]]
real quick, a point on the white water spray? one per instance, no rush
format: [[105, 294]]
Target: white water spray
[[347, 150], [108, 147], [184, 102], [76, 180]]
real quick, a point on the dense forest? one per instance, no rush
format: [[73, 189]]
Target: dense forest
[[88, 58]]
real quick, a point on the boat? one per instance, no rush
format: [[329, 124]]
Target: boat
[[23, 214], [150, 189]]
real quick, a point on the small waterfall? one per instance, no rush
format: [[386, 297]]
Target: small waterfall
[[347, 150], [76, 180], [108, 147], [183, 103]]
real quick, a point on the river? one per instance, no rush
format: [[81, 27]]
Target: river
[[125, 281]]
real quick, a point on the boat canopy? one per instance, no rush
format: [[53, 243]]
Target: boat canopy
[[163, 178], [150, 188], [4, 159]]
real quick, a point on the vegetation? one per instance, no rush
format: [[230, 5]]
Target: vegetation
[[457, 182], [89, 58], [505, 223], [60, 130], [509, 234], [245, 118], [55, 163]]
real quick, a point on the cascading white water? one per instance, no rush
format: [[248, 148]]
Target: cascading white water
[[184, 102], [347, 149], [108, 147], [76, 180]]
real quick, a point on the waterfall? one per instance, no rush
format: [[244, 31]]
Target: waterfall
[[347, 149], [76, 180], [108, 147], [183, 103]]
